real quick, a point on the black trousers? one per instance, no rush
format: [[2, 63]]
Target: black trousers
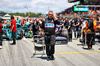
[[90, 39], [50, 44], [70, 34], [1, 38], [83, 37], [76, 31], [14, 37]]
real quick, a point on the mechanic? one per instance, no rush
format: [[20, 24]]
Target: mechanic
[[76, 25], [90, 32], [68, 26], [36, 27], [49, 26]]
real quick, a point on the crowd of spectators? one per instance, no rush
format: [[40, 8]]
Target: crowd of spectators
[[92, 10]]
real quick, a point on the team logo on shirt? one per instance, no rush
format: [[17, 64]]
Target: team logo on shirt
[[49, 25]]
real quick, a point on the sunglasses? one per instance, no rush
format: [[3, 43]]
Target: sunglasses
[[50, 14]]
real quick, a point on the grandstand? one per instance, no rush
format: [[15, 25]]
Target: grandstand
[[92, 9]]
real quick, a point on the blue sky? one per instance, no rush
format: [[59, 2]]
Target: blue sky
[[34, 5]]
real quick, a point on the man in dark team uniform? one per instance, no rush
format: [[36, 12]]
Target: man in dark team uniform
[[76, 25], [90, 32], [68, 25], [35, 28], [49, 29], [61, 20], [80, 26]]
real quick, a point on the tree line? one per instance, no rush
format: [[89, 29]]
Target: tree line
[[30, 14]]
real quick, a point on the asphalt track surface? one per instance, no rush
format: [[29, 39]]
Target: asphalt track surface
[[69, 54]]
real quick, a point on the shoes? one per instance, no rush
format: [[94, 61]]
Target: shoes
[[0, 47], [52, 57], [48, 58], [13, 44]]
